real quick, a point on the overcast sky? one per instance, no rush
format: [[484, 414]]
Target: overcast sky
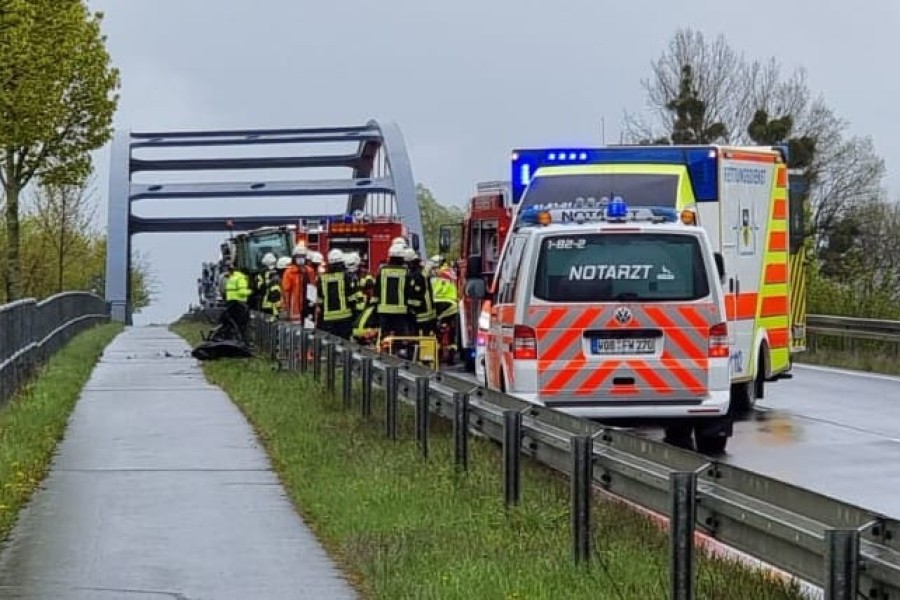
[[465, 80]]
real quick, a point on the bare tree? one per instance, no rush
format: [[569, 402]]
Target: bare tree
[[757, 103], [66, 216]]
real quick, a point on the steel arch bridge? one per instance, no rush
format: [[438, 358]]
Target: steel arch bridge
[[380, 182]]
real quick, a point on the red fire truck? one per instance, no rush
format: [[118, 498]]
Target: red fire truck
[[483, 231], [368, 236]]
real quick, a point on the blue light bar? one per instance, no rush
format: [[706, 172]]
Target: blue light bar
[[701, 163]]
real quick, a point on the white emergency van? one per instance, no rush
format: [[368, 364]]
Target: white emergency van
[[612, 313]]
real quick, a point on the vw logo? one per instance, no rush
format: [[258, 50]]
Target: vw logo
[[623, 315]]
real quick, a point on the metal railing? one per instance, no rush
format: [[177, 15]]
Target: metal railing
[[878, 330], [32, 331], [845, 549]]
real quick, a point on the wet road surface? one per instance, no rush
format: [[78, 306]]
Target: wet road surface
[[833, 431], [160, 490]]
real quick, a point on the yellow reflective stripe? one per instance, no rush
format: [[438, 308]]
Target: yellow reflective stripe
[[343, 311], [798, 297], [777, 326]]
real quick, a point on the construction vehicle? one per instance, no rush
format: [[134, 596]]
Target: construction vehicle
[[481, 234], [739, 195]]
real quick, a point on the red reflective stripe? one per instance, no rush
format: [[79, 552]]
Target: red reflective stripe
[[672, 331], [779, 211], [777, 241], [551, 319], [774, 306], [690, 315], [782, 178], [740, 306], [776, 273], [683, 375], [597, 377], [564, 376], [557, 349], [779, 338], [653, 380]]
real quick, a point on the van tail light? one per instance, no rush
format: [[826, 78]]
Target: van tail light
[[718, 341], [524, 343]]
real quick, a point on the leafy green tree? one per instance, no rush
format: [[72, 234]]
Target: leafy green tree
[[434, 214], [57, 101]]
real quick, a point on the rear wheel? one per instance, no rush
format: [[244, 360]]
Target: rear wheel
[[710, 444], [743, 397], [759, 382]]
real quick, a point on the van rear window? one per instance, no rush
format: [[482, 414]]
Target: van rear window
[[620, 267]]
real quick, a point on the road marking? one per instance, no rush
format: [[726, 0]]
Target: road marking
[[863, 374]]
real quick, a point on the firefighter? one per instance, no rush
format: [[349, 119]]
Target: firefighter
[[420, 299], [271, 293], [296, 286], [446, 303], [337, 296], [390, 293], [351, 263], [237, 293], [259, 280], [315, 260], [281, 267]]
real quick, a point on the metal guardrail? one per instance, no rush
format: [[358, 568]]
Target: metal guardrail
[[853, 328], [32, 331], [845, 549]]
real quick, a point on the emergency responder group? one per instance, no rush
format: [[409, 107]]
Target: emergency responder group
[[403, 298]]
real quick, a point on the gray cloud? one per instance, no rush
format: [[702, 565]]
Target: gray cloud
[[466, 81]]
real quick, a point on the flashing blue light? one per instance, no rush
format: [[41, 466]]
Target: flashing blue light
[[528, 215], [617, 209], [348, 218], [701, 163]]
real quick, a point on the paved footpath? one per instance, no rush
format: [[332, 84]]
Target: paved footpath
[[161, 491]]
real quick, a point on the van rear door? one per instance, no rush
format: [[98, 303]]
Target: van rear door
[[623, 317]]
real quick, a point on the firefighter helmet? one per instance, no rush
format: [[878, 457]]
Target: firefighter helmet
[[335, 257]]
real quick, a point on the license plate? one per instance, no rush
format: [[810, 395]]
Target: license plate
[[623, 345]]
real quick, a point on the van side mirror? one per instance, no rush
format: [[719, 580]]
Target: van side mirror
[[445, 239], [473, 267], [720, 266]]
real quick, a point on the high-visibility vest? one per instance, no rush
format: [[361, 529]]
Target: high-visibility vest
[[335, 305], [237, 287], [392, 287], [273, 289]]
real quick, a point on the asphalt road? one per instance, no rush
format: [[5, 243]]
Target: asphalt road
[[161, 490], [833, 431]]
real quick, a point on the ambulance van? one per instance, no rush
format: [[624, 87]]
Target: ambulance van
[[612, 312]]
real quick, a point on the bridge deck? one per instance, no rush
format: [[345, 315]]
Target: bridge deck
[[160, 489]]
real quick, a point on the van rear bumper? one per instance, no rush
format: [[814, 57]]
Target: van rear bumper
[[714, 404]]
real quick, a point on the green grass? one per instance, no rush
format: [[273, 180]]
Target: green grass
[[33, 422], [873, 360], [404, 527]]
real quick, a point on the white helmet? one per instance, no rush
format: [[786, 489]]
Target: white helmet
[[269, 260], [335, 257], [300, 250], [352, 260], [316, 257], [397, 251], [410, 255], [401, 241], [283, 263]]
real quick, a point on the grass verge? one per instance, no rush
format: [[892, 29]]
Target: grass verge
[[34, 421], [855, 360], [403, 527]]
